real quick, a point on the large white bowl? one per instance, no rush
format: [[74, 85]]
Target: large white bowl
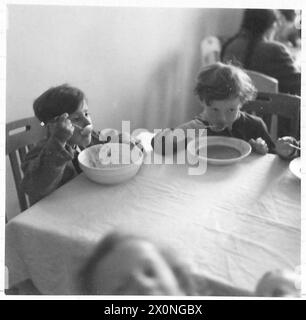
[[295, 167], [240, 145], [112, 174]]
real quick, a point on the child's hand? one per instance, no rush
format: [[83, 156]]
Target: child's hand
[[62, 128], [259, 145], [278, 283], [284, 149]]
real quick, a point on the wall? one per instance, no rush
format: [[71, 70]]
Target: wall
[[134, 64]]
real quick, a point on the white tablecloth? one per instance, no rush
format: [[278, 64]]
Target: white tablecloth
[[234, 222]]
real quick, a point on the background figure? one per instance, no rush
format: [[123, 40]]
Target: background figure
[[287, 32], [253, 48], [124, 264]]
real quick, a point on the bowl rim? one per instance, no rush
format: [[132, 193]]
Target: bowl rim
[[215, 138], [128, 165]]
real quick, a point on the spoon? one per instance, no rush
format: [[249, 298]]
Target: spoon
[[293, 146], [216, 127], [84, 130]]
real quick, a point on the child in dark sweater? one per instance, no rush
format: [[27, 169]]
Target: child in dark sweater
[[222, 90], [53, 161]]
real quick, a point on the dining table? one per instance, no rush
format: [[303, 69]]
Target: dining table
[[233, 223]]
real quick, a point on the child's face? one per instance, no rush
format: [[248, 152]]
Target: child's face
[[135, 267], [222, 113], [81, 118]]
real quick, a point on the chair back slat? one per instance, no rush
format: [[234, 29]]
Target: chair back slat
[[21, 136], [281, 113], [22, 153], [15, 164], [262, 82], [22, 133]]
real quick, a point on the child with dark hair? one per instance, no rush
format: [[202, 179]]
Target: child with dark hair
[[126, 264], [222, 90], [53, 161], [255, 49]]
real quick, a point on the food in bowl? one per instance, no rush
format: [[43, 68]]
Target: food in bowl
[[113, 154], [221, 152]]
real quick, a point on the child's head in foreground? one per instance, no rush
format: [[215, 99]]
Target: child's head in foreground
[[222, 90], [124, 264], [65, 99]]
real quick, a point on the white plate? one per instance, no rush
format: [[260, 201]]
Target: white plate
[[295, 167], [241, 146]]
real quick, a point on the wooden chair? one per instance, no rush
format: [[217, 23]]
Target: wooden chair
[[283, 108], [21, 136], [262, 82]]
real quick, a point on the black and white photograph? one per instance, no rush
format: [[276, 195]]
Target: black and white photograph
[[153, 150]]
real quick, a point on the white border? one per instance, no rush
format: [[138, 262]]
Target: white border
[[297, 4]]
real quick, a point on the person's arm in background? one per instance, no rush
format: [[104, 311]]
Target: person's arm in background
[[285, 70]]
